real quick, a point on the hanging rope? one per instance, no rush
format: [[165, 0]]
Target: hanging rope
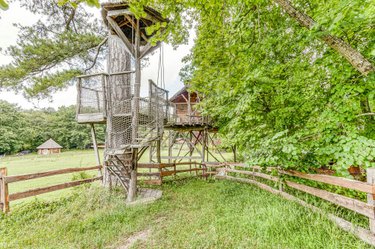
[[161, 78]]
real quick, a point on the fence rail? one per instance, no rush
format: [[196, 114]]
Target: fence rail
[[5, 180], [169, 169], [254, 174]]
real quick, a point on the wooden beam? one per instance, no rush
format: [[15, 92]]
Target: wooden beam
[[4, 192], [122, 36], [120, 12], [149, 49], [370, 175], [134, 25], [149, 174], [349, 203], [183, 157], [153, 182], [38, 191], [10, 179], [337, 181], [251, 173]]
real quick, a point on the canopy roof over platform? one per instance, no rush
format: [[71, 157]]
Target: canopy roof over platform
[[125, 19]]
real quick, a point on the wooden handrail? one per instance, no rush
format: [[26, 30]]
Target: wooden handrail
[[38, 191], [333, 180], [17, 178]]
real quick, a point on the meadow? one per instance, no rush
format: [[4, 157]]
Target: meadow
[[193, 213]]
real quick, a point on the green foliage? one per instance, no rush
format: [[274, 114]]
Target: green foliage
[[75, 3], [49, 54], [11, 124], [274, 88], [3, 5], [27, 129]]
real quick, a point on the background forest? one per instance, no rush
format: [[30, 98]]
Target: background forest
[[27, 129]]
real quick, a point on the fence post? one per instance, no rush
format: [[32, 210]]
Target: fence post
[[370, 172], [4, 193], [280, 174]]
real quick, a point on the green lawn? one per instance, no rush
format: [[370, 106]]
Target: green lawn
[[33, 163], [191, 214]]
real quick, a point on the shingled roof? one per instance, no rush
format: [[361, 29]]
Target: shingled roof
[[49, 144]]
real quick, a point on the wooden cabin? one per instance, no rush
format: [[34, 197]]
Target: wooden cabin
[[185, 103], [49, 147]]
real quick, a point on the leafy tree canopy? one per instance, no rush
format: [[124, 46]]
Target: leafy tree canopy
[[50, 53], [275, 88]]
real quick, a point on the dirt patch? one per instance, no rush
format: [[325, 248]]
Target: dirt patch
[[140, 236]]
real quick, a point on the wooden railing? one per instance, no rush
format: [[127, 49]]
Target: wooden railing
[[5, 180], [161, 170], [253, 175]]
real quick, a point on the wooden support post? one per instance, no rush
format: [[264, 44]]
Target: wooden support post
[[175, 171], [370, 197], [170, 146], [95, 145], [281, 185], [158, 150], [203, 145], [132, 192], [4, 192], [161, 175], [191, 148]]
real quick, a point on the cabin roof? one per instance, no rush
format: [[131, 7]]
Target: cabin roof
[[49, 144], [177, 94], [120, 4]]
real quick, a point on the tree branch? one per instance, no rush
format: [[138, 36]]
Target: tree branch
[[354, 57], [97, 53]]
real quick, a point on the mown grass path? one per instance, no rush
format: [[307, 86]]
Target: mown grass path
[[191, 214]]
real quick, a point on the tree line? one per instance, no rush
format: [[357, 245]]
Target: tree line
[[26, 129]]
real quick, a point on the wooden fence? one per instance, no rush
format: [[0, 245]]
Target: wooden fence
[[254, 174], [5, 180], [157, 171]]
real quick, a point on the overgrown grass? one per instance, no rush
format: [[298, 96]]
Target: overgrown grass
[[191, 214]]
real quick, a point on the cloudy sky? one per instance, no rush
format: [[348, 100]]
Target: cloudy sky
[[8, 36]]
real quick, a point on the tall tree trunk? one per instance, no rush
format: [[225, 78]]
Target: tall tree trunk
[[118, 102], [354, 57]]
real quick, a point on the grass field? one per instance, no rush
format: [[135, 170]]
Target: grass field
[[191, 214], [33, 163]]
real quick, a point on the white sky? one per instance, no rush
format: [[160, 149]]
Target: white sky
[[8, 36]]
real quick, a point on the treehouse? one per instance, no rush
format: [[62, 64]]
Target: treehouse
[[133, 122], [183, 106]]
